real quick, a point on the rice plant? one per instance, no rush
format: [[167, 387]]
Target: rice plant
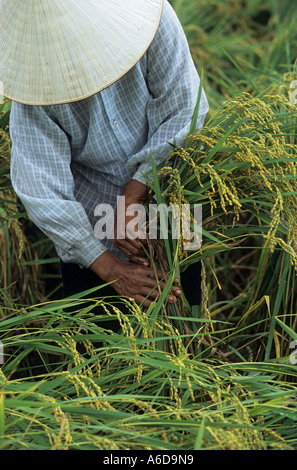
[[128, 394], [242, 169]]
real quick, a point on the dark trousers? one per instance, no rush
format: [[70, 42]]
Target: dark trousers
[[76, 279]]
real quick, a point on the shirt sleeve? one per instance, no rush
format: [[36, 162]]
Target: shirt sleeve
[[173, 83], [42, 178]]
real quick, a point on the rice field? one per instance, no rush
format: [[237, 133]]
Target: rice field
[[221, 376]]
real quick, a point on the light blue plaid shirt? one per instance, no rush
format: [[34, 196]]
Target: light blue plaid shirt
[[67, 159]]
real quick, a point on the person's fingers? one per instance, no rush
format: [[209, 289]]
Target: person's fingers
[[149, 286], [140, 282], [135, 242], [135, 248], [150, 273], [137, 259], [155, 293], [137, 256], [146, 302], [140, 300]]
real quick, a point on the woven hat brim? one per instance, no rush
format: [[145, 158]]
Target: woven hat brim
[[54, 52]]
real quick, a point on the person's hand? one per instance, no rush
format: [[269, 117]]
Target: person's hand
[[131, 239], [132, 280]]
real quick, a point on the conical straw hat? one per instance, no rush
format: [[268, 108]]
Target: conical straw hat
[[59, 51]]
